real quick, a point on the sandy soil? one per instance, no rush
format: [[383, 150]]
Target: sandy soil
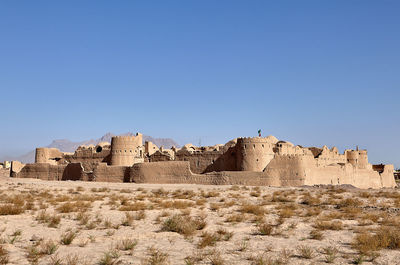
[[126, 223]]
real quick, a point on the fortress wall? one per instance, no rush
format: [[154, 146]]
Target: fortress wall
[[348, 174], [161, 172], [4, 172], [105, 173], [159, 156], [89, 157], [73, 171], [387, 176], [289, 170], [254, 154], [328, 157], [44, 171], [199, 161], [179, 172], [226, 162]]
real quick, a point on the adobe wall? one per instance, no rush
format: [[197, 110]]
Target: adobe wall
[[43, 171], [4, 172], [89, 157], [73, 171], [159, 156], [289, 170], [150, 148], [105, 173], [161, 172], [179, 172], [16, 167], [387, 176], [199, 160], [297, 170], [332, 156], [226, 162]]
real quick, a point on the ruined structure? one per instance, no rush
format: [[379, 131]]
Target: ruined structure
[[242, 161]]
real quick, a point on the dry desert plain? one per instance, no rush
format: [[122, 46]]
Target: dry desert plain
[[44, 222]]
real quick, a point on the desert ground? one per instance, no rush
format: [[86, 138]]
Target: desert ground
[[44, 222]]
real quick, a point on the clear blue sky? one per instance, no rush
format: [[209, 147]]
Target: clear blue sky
[[311, 72]]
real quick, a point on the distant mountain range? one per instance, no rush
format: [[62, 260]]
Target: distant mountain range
[[66, 145]]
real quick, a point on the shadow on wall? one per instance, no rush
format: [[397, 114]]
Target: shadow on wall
[[73, 171], [226, 162]]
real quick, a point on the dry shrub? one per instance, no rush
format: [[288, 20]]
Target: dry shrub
[[156, 257], [83, 218], [128, 219], [69, 207], [48, 247], [215, 206], [184, 225], [283, 196], [127, 244], [252, 209], [208, 239], [350, 202], [110, 258], [312, 211], [216, 259], [4, 256], [305, 252], [140, 215], [33, 255], [11, 209], [68, 237], [330, 254], [265, 229], [332, 215], [210, 194], [316, 234], [263, 260], [236, 218], [43, 217], [201, 202], [176, 204], [328, 225], [286, 213], [137, 206], [385, 237], [224, 234], [308, 199]]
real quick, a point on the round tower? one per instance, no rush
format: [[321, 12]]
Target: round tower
[[362, 159], [352, 157], [42, 155], [123, 150], [253, 154]]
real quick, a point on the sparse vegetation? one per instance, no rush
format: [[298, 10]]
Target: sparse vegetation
[[107, 216], [68, 237], [184, 225]]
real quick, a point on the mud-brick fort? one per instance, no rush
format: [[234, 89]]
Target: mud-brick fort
[[242, 161]]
